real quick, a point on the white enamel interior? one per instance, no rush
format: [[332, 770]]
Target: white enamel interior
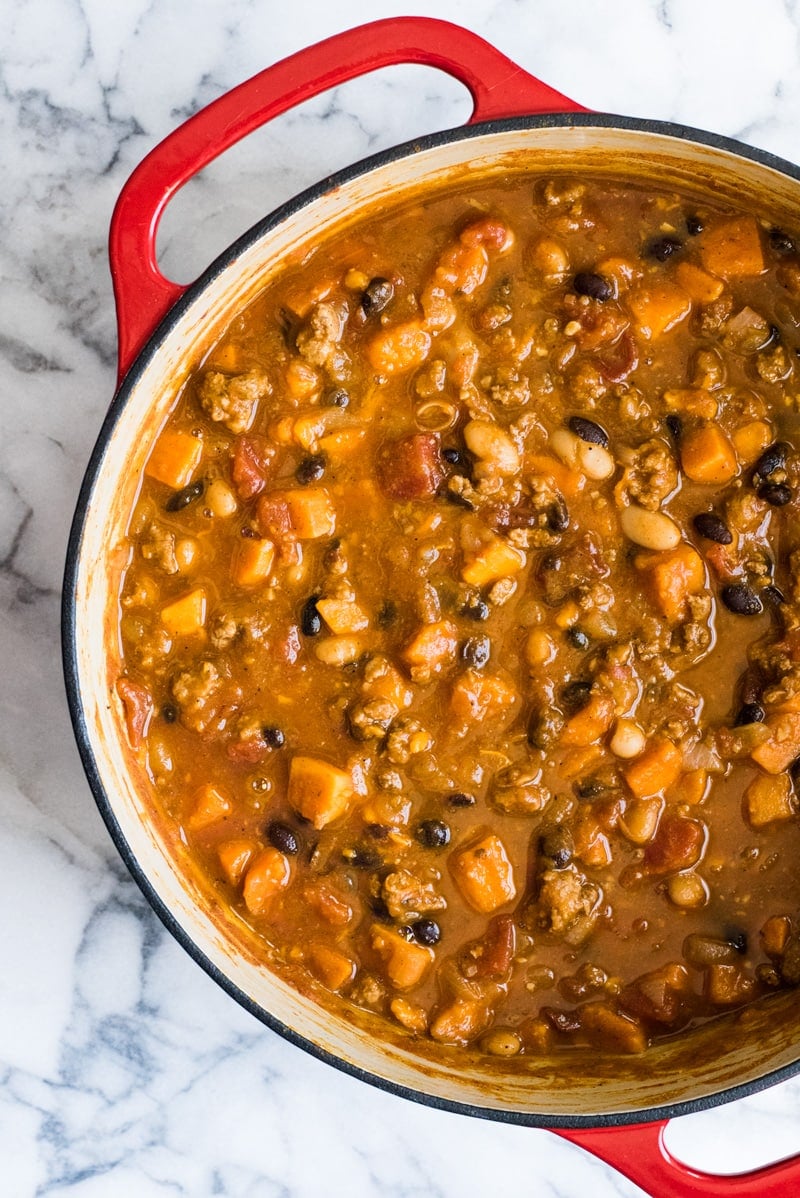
[[732, 1051]]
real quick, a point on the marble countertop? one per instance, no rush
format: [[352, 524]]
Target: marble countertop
[[125, 1071]]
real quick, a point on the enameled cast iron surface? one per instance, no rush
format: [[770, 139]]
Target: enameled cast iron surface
[[720, 1061]]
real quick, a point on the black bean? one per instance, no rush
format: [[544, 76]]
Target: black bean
[[460, 798], [775, 494], [694, 225], [378, 831], [433, 833], [737, 938], [310, 619], [476, 651], [742, 599], [578, 638], [773, 595], [273, 737], [427, 932], [363, 856], [675, 426], [773, 458], [169, 713], [387, 614], [558, 846], [376, 295], [587, 430], [709, 525], [476, 609], [780, 242], [453, 456], [558, 516], [181, 499], [456, 497], [750, 713], [311, 469], [575, 695], [594, 285], [338, 398], [589, 788], [282, 837], [662, 248]]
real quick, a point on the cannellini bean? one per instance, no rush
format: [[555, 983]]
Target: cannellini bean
[[501, 1042], [687, 890], [220, 499], [595, 462], [627, 740], [566, 446], [339, 650], [539, 648], [493, 446], [186, 550], [550, 258], [640, 821], [651, 530]]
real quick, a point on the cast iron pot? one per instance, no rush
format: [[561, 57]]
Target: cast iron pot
[[615, 1107]]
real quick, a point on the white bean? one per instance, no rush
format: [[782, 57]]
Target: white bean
[[220, 499], [566, 446], [339, 650], [687, 890], [493, 446], [651, 530], [595, 461], [627, 740]]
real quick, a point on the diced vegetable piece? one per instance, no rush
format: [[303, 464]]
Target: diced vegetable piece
[[657, 307], [775, 934], [707, 456], [732, 248], [409, 1015], [658, 767], [673, 577], [328, 903], [209, 806], [678, 844], [692, 788], [235, 856], [460, 1022], [331, 967], [342, 440], [477, 697], [660, 996], [698, 284], [727, 984], [750, 440], [406, 963], [569, 482], [494, 560], [702, 950], [383, 681], [395, 350], [411, 468], [302, 380], [497, 948], [781, 748], [252, 456], [319, 791], [590, 723], [186, 616], [252, 564], [606, 1028], [175, 457], [484, 874], [270, 872], [433, 647], [311, 512], [137, 704], [343, 615], [769, 800]]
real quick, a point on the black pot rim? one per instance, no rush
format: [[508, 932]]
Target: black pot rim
[[70, 632]]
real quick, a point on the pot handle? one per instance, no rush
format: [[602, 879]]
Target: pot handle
[[499, 88], [640, 1153]]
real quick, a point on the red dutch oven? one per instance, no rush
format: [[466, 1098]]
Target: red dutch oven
[[615, 1107]]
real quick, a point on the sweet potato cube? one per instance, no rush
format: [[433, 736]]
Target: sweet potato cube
[[460, 1022], [186, 616], [568, 481], [484, 874], [774, 935], [137, 706], [477, 696], [174, 458], [383, 681], [672, 577], [494, 560], [319, 791], [769, 800], [732, 248], [209, 806], [331, 967], [590, 723], [269, 873], [750, 440], [782, 746], [698, 284], [235, 856], [405, 962], [343, 615], [707, 456], [657, 307], [311, 513], [433, 647], [252, 564], [606, 1028], [400, 348], [727, 984], [657, 768]]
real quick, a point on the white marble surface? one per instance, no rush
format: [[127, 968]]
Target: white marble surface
[[125, 1072]]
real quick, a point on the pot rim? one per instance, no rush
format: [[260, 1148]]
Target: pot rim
[[69, 624]]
